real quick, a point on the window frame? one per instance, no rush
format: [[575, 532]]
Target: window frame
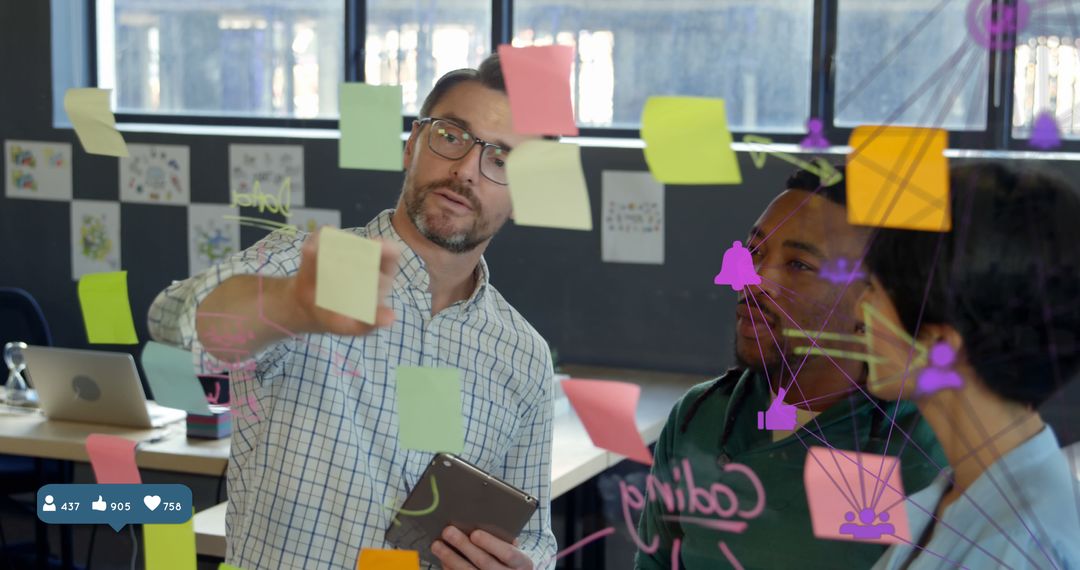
[[996, 136]]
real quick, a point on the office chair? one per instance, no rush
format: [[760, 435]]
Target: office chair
[[21, 319]]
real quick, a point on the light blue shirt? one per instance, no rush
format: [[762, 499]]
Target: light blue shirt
[[316, 465], [1023, 512]]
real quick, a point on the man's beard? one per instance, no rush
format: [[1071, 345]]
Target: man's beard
[[773, 364], [459, 242]]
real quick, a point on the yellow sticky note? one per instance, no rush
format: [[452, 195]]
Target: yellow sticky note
[[898, 177], [170, 546], [376, 559], [547, 186], [687, 141], [347, 274], [88, 110], [106, 309], [370, 126]]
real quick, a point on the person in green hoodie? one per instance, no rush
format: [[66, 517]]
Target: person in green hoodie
[[726, 487]]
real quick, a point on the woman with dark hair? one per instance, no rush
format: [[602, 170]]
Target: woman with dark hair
[[995, 305]]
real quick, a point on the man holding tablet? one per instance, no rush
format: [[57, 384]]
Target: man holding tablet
[[316, 466]]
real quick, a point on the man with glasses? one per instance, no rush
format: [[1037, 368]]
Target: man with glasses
[[316, 473]]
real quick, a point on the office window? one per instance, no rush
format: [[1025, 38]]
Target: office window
[[249, 58], [886, 50], [753, 53], [1048, 72], [412, 44]]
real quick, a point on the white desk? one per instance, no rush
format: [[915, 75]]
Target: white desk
[[574, 458]]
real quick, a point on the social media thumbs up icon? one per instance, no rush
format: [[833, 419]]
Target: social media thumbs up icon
[[779, 416], [98, 505]]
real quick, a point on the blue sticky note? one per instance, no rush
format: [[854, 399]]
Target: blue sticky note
[[171, 374]]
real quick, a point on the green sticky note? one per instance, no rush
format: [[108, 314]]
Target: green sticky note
[[105, 308], [370, 126], [429, 409], [170, 372], [226, 566], [547, 186], [347, 274], [88, 110], [170, 546], [687, 141]]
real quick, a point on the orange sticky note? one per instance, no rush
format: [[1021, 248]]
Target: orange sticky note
[[856, 496], [687, 141], [376, 559], [607, 409], [113, 459], [898, 177], [538, 85]]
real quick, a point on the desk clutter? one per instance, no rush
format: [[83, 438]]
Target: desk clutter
[[218, 425]]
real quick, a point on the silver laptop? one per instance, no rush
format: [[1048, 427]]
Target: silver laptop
[[93, 387]]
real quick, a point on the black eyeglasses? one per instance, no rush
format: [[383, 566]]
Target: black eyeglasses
[[450, 141]]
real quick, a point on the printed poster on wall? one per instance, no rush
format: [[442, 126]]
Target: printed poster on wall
[[95, 237], [37, 170], [156, 174], [274, 170], [212, 236], [633, 218], [311, 219]]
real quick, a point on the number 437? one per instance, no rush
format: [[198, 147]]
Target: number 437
[[69, 507]]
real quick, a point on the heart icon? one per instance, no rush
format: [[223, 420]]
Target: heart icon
[[151, 501]]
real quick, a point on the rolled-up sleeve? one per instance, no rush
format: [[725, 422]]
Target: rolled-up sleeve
[[171, 318]]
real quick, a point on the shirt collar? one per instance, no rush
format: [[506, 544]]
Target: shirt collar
[[411, 268]]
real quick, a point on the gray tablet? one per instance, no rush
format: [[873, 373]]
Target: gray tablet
[[454, 492]]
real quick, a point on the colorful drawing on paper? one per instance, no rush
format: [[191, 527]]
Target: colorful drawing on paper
[[270, 166], [95, 237], [37, 170], [311, 219], [156, 174], [633, 214], [211, 237]]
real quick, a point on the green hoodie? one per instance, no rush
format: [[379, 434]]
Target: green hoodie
[[764, 520]]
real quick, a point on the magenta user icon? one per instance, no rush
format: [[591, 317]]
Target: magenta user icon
[[995, 26], [939, 375], [865, 529]]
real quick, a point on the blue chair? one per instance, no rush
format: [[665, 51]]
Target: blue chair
[[21, 319]]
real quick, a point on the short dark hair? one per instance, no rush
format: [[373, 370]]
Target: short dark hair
[[1007, 277], [809, 182], [489, 74]]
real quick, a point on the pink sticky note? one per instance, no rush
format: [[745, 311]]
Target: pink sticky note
[[845, 506], [538, 84], [607, 409], [113, 459]]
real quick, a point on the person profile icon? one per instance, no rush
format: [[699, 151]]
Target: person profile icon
[[939, 375], [49, 506], [864, 529]]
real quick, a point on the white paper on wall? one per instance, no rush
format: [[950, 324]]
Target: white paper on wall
[[632, 217], [95, 237], [37, 170], [311, 219], [211, 236], [278, 170], [156, 174]]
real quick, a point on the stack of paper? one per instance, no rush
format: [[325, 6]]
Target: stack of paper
[[215, 426]]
